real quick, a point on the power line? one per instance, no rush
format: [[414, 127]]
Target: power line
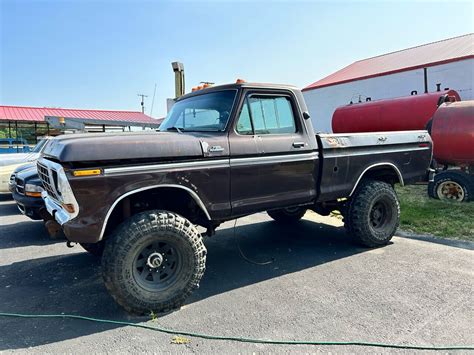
[[153, 101]]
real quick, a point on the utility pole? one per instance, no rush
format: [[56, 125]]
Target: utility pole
[[143, 101]]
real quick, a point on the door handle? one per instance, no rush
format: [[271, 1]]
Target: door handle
[[298, 144]]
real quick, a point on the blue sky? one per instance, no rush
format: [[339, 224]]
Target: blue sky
[[100, 54]]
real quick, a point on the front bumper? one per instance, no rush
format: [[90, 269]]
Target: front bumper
[[29, 206], [55, 209]]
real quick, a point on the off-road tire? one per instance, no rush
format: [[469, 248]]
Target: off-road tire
[[96, 249], [465, 181], [129, 242], [359, 218], [287, 215]]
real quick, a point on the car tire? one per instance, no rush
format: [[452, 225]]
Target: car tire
[[153, 262], [287, 215], [96, 249], [452, 185], [373, 213]]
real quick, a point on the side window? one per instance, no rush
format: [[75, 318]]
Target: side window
[[272, 115], [244, 126]]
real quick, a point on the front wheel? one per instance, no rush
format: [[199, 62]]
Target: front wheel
[[287, 215], [373, 214], [153, 262]]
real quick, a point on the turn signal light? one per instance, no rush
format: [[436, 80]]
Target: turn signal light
[[68, 207], [88, 172], [33, 194], [240, 81]]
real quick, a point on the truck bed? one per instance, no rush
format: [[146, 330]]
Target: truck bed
[[344, 158]]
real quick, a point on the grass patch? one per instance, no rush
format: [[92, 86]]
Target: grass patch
[[422, 215]]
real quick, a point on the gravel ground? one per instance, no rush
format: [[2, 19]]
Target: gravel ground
[[320, 286]]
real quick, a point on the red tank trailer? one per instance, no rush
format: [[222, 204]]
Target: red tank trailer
[[398, 114], [449, 120], [452, 131]]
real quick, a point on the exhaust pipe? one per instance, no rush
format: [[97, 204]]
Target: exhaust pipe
[[178, 69]]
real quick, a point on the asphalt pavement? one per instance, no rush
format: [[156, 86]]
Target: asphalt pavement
[[319, 285]]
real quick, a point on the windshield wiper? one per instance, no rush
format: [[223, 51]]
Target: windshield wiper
[[173, 128]]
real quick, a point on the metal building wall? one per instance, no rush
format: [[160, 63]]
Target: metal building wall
[[323, 101]]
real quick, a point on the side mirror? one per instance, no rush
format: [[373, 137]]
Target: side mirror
[[306, 115]]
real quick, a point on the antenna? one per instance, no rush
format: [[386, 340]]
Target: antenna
[[207, 82], [153, 101], [143, 101]]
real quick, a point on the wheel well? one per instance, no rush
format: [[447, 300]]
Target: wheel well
[[388, 173], [172, 199]]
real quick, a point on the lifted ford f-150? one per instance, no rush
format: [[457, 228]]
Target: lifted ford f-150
[[221, 153]]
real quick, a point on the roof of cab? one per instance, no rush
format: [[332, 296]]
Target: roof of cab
[[237, 86]]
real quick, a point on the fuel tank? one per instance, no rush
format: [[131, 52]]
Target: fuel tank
[[397, 114], [452, 131]]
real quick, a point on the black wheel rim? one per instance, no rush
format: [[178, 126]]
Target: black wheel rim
[[380, 215], [157, 266]]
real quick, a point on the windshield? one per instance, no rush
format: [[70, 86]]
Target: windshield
[[206, 113], [39, 145]]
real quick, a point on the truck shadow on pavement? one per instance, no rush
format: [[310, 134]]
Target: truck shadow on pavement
[[72, 284], [23, 234]]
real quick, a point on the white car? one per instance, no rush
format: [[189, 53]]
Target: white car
[[5, 174], [8, 166], [16, 158]]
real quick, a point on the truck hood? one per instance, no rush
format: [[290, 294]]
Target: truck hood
[[114, 146]]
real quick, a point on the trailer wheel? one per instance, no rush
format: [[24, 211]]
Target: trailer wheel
[[153, 262], [287, 215], [373, 214], [452, 185], [96, 249]]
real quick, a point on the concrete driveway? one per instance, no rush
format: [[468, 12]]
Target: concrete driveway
[[320, 286]]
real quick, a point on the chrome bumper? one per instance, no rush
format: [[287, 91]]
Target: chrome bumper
[[55, 209]]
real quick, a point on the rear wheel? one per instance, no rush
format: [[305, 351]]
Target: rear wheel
[[452, 185], [153, 262], [287, 215], [373, 214]]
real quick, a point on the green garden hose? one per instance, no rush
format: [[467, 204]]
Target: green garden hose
[[240, 339]]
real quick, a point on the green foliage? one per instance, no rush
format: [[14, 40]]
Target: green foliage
[[422, 215]]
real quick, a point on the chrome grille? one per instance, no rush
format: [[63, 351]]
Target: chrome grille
[[20, 186], [48, 183]]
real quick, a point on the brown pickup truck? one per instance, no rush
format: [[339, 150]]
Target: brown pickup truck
[[221, 153]]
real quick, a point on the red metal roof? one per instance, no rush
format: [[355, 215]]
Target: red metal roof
[[37, 114], [445, 51]]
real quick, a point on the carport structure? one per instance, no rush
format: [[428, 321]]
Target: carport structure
[[32, 122]]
